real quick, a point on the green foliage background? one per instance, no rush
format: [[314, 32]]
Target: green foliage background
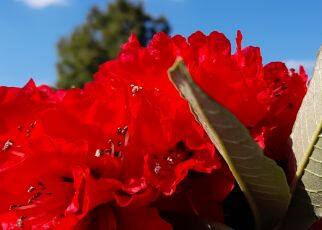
[[100, 37]]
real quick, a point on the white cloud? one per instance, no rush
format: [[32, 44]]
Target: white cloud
[[39, 4], [307, 64]]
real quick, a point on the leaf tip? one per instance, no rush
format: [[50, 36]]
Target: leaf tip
[[176, 65]]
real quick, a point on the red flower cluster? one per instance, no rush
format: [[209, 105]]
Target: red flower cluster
[[264, 98], [126, 147]]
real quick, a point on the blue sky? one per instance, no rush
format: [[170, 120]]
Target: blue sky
[[287, 30]]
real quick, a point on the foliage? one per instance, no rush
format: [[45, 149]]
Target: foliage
[[307, 147]]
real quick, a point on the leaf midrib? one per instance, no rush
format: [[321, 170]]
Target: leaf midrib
[[307, 154]]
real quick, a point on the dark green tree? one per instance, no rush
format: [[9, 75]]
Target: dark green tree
[[100, 38]]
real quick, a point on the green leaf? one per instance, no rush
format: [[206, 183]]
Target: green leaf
[[262, 181], [307, 147]]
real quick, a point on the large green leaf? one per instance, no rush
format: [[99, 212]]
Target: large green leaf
[[260, 178], [307, 147]]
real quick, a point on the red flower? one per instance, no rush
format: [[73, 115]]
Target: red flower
[[57, 166], [120, 142], [199, 195], [162, 129], [126, 146]]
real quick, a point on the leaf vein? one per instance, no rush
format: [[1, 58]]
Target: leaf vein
[[313, 173]]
